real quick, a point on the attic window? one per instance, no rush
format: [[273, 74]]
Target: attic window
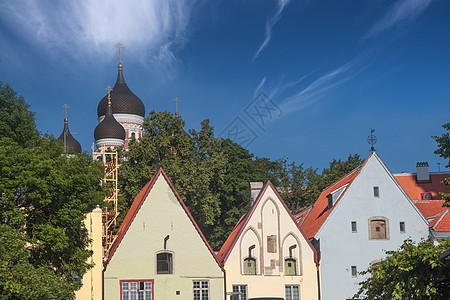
[[353, 226], [330, 200], [164, 263], [376, 191]]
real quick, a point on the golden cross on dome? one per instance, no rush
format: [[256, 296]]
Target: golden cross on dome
[[65, 110], [109, 94], [119, 45], [176, 106]]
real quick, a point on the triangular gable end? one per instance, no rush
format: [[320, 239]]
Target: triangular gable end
[[362, 168], [137, 204], [237, 232]]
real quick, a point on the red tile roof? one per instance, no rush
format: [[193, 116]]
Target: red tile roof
[[240, 226], [430, 208], [441, 222], [137, 203], [415, 189], [320, 211]]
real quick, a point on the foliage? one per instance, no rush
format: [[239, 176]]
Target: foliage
[[412, 272], [444, 151], [45, 196], [19, 279], [16, 121]]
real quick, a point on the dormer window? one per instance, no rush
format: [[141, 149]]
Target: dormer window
[[330, 200]]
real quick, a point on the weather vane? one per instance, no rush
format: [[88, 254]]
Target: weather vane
[[65, 110], [119, 45], [372, 139], [109, 89], [176, 106]]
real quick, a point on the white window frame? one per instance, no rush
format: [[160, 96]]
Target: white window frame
[[242, 290], [289, 291], [203, 292], [127, 292]]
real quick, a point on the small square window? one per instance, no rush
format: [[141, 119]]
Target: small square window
[[376, 191], [354, 226], [402, 227], [354, 271]]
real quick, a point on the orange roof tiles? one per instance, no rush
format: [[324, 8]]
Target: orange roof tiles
[[415, 189], [441, 222], [430, 208], [320, 211], [137, 203]]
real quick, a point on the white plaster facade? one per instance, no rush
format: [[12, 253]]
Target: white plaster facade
[[158, 222], [342, 247], [270, 237]]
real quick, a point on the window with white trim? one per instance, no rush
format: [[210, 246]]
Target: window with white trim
[[292, 292], [136, 289], [239, 292], [201, 289]]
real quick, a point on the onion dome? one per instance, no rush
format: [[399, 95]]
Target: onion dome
[[69, 141], [109, 128], [124, 101]]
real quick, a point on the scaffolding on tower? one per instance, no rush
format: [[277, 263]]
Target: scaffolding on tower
[[109, 211]]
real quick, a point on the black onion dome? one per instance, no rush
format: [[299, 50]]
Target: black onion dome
[[109, 127], [70, 141], [123, 100]]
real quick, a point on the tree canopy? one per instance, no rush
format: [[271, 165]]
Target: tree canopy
[[44, 198], [412, 272], [212, 175], [444, 151]]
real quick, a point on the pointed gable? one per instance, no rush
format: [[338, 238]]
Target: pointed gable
[[321, 209], [236, 234], [137, 204]]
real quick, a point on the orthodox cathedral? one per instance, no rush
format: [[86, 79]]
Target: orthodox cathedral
[[120, 115]]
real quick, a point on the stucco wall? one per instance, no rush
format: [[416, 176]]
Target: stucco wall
[[271, 218], [160, 215], [341, 248]]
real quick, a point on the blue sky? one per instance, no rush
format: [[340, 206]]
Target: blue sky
[[321, 74]]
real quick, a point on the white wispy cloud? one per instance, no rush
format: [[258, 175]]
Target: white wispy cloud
[[87, 29], [401, 12], [271, 21], [318, 87]]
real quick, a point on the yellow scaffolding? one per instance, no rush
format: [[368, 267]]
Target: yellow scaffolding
[[109, 211]]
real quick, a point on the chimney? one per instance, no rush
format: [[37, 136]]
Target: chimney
[[423, 173], [255, 188]]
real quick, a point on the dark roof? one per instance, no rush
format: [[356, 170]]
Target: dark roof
[[123, 100], [70, 142], [109, 127]]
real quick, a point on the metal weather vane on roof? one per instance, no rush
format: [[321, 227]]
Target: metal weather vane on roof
[[372, 139], [119, 45]]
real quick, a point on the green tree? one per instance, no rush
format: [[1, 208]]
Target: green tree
[[45, 196], [412, 272], [444, 151], [19, 279]]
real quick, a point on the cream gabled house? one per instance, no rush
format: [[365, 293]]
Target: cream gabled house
[[355, 220], [160, 252], [267, 255]]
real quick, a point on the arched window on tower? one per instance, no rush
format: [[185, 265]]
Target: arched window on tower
[[290, 263], [250, 262]]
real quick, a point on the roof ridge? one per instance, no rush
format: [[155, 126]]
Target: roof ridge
[[444, 213]]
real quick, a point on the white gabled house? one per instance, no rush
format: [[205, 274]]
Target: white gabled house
[[267, 255], [355, 220]]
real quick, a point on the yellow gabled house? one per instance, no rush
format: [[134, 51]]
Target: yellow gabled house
[[267, 255], [160, 252]]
